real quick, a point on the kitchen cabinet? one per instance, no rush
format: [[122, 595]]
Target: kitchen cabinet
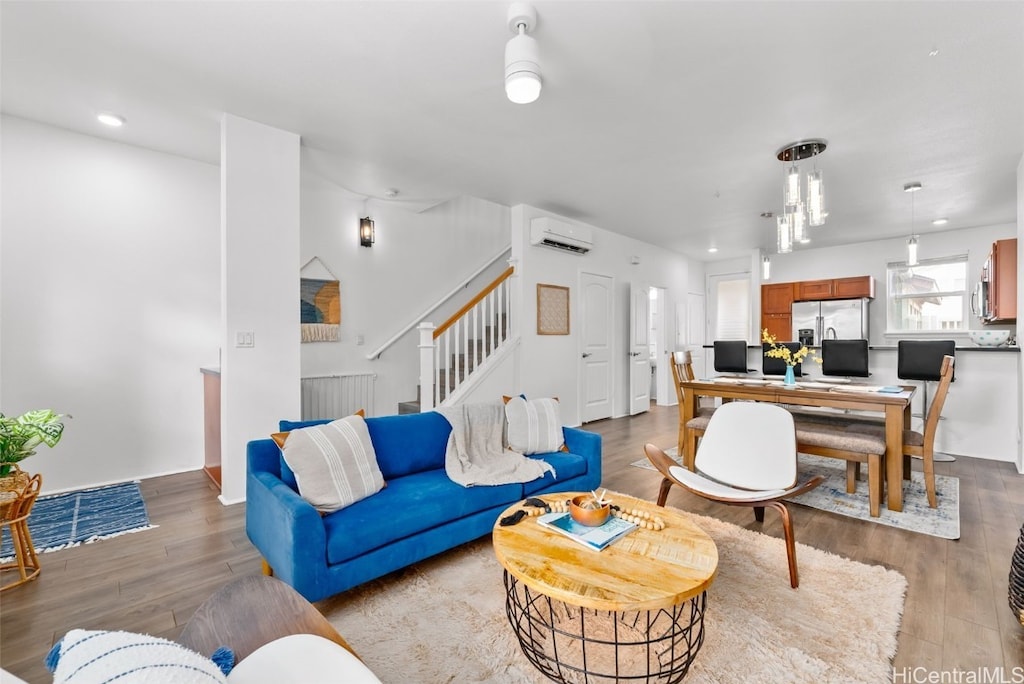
[[814, 289], [854, 288], [836, 288], [999, 283], [779, 326], [776, 305], [777, 298]]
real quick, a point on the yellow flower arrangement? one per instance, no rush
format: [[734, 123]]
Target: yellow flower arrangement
[[783, 352]]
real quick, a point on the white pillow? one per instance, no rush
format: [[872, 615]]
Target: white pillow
[[334, 464], [301, 659], [91, 657], [534, 426]]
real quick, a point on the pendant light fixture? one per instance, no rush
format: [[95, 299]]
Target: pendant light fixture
[[799, 213], [912, 188], [766, 268], [522, 56]]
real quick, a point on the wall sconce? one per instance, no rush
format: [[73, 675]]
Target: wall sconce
[[366, 237]]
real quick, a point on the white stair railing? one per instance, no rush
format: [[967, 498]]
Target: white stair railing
[[460, 345]]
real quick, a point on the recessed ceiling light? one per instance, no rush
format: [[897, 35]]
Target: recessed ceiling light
[[805, 241], [712, 249], [911, 187], [110, 119], [934, 52], [940, 221], [767, 214]]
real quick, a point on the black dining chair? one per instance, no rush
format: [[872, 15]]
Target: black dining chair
[[773, 366], [847, 358], [731, 356], [922, 360]]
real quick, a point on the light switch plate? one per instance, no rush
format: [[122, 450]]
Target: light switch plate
[[245, 338]]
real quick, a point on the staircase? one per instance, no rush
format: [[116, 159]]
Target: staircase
[[461, 365], [452, 353]]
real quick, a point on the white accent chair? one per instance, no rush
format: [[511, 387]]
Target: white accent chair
[[746, 458]]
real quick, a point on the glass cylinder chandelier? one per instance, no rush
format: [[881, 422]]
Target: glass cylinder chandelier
[[799, 212], [912, 188]]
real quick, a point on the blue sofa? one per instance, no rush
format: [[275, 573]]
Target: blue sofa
[[418, 514]]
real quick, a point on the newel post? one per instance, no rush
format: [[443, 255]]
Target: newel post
[[427, 373]]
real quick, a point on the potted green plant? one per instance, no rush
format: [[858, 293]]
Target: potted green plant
[[20, 436]]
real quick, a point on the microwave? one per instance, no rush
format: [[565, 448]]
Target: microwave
[[979, 301]]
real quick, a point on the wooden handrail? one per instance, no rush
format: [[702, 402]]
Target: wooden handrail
[[464, 283], [474, 301]]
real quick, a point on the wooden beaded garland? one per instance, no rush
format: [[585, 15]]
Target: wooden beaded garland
[[641, 518]]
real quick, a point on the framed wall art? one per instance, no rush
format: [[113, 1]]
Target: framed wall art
[[552, 310]]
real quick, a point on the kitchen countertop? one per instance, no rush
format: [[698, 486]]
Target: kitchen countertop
[[892, 347]]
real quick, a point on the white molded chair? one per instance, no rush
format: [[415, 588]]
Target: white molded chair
[[746, 458]]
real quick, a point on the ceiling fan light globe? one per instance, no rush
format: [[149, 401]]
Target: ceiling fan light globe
[[522, 87], [522, 69]]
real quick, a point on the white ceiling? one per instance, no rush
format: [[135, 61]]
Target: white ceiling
[[659, 120]]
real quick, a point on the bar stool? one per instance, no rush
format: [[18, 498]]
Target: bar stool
[[731, 356], [14, 517], [922, 360]]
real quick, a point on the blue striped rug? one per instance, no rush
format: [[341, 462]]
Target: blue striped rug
[[87, 515]]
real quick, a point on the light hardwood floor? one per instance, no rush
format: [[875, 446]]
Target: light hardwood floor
[[956, 614]]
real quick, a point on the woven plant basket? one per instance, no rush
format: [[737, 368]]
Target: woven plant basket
[[1016, 583], [11, 487]]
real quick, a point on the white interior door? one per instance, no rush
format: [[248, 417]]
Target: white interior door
[[596, 335], [693, 340], [639, 348]]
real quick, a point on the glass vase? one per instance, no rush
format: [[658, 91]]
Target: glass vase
[[790, 378]]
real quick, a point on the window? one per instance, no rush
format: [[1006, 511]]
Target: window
[[929, 297], [731, 299]]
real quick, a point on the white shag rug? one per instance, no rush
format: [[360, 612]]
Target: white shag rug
[[443, 620]]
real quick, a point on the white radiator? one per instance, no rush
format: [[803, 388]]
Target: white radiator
[[337, 396]]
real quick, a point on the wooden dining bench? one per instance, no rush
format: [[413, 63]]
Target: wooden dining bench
[[834, 440]]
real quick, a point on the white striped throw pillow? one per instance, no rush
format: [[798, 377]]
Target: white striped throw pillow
[[334, 464], [534, 426], [99, 657]]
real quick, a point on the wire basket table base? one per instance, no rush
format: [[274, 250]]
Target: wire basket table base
[[577, 645]]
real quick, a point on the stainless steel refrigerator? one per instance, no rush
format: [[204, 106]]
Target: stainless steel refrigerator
[[839, 319]]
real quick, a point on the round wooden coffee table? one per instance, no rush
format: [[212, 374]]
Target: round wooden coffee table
[[633, 612]]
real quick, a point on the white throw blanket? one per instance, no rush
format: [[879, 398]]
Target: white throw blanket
[[476, 455]]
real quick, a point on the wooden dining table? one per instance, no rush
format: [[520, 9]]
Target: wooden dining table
[[895, 406]]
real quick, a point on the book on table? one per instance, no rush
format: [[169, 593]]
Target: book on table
[[595, 538]]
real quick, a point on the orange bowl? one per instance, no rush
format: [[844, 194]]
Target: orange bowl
[[591, 517]]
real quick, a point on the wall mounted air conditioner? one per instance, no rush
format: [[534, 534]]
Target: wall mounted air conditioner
[[560, 235]]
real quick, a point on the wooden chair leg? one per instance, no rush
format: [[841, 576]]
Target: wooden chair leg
[[929, 477], [267, 570], [906, 467], [874, 484], [787, 528], [666, 484], [690, 455], [759, 513], [852, 475]]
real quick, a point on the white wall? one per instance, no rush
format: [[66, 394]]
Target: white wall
[[550, 363], [418, 257], [259, 288], [109, 279]]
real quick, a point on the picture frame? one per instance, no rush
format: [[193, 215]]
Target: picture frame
[[552, 309]]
